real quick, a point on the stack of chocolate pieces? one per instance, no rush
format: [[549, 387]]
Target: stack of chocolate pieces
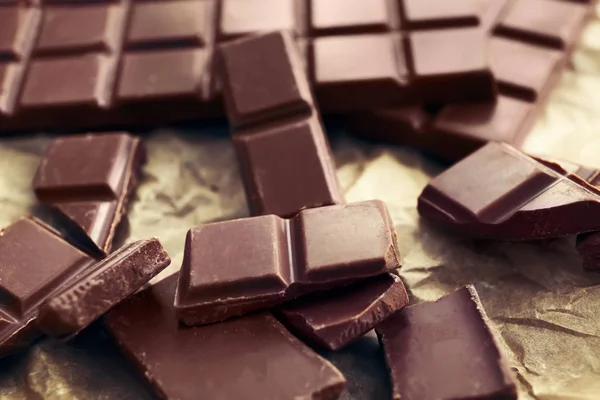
[[57, 282], [323, 267]]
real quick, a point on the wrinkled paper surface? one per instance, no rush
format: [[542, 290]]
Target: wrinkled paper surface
[[546, 310]]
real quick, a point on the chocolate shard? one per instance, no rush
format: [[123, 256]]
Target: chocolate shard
[[284, 156], [445, 350], [89, 180], [253, 357], [334, 318], [275, 260], [34, 264], [101, 287], [501, 193]]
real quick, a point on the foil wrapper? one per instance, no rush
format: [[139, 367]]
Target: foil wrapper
[[544, 307]]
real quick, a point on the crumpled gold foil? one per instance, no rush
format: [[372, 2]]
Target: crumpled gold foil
[[546, 310]]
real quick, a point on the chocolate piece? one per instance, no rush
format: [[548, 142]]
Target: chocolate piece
[[284, 155], [432, 14], [34, 263], [101, 287], [89, 179], [531, 43], [274, 260], [124, 71], [559, 25], [249, 357], [588, 244], [500, 193], [334, 318], [460, 129], [524, 71], [433, 62], [445, 350]]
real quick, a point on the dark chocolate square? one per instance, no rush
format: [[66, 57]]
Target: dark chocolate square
[[183, 22], [76, 29], [330, 17], [240, 17]]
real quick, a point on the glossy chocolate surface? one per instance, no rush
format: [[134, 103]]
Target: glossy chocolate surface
[[143, 63], [89, 179], [284, 155], [245, 358], [34, 263], [501, 193], [444, 350], [548, 23], [334, 318], [587, 244], [529, 46], [102, 286], [235, 267]]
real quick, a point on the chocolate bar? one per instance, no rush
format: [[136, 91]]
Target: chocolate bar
[[334, 318], [529, 46], [34, 264], [235, 267], [88, 180], [102, 286], [284, 156], [122, 70], [444, 350], [501, 193], [249, 357]]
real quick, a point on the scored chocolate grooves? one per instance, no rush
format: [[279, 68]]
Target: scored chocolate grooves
[[121, 70], [530, 44]]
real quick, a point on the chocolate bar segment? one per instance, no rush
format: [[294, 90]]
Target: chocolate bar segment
[[34, 263], [588, 244], [549, 23], [435, 14], [334, 318], [89, 179], [435, 62], [285, 159], [500, 193], [101, 287], [142, 63], [275, 260], [445, 350], [529, 46], [249, 357]]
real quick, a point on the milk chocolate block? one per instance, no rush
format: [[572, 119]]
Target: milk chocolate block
[[253, 357], [284, 156], [122, 70], [89, 180], [35, 263], [530, 44], [232, 268], [445, 350], [102, 286], [334, 318], [501, 193]]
